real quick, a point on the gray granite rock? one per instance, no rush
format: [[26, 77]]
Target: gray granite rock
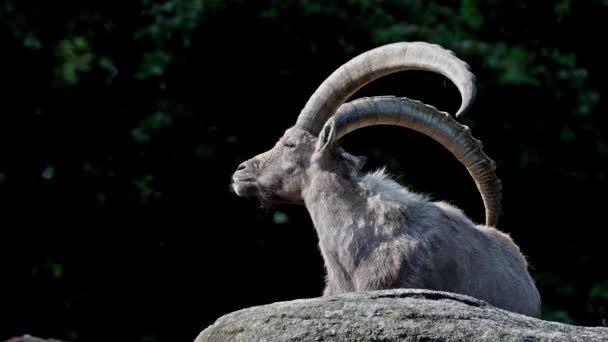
[[28, 338], [391, 315]]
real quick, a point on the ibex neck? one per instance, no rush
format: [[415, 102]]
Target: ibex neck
[[331, 200]]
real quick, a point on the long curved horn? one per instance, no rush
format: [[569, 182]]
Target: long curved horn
[[440, 126], [378, 62]]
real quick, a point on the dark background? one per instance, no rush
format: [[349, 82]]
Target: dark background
[[122, 122]]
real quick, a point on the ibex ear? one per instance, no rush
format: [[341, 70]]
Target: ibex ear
[[358, 162], [327, 136]]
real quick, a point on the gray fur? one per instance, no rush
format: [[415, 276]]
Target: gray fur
[[375, 234]]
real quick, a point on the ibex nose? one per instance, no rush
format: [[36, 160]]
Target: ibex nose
[[241, 167]]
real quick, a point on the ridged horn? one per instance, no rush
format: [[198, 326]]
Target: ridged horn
[[440, 126], [378, 62]]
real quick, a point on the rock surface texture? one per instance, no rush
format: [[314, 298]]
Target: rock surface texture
[[391, 315], [28, 338]]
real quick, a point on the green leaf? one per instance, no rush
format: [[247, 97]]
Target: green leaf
[[567, 134], [231, 139], [145, 185], [469, 11], [153, 64], [280, 217], [31, 41], [599, 291], [75, 57], [48, 173], [151, 125], [587, 101], [270, 13], [558, 316], [149, 338], [562, 8], [602, 147], [205, 151], [56, 270]]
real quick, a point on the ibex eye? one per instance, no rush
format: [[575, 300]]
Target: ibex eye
[[290, 145]]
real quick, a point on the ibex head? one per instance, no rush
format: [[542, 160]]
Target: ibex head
[[280, 174]]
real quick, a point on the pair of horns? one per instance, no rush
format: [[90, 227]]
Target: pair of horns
[[327, 107]]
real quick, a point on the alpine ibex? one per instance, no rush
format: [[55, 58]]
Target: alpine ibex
[[373, 233]]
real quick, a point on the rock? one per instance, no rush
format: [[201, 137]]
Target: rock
[[390, 315], [28, 338]]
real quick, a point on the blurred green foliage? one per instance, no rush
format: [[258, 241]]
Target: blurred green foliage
[[136, 106]]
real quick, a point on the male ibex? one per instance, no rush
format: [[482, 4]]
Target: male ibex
[[373, 233]]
